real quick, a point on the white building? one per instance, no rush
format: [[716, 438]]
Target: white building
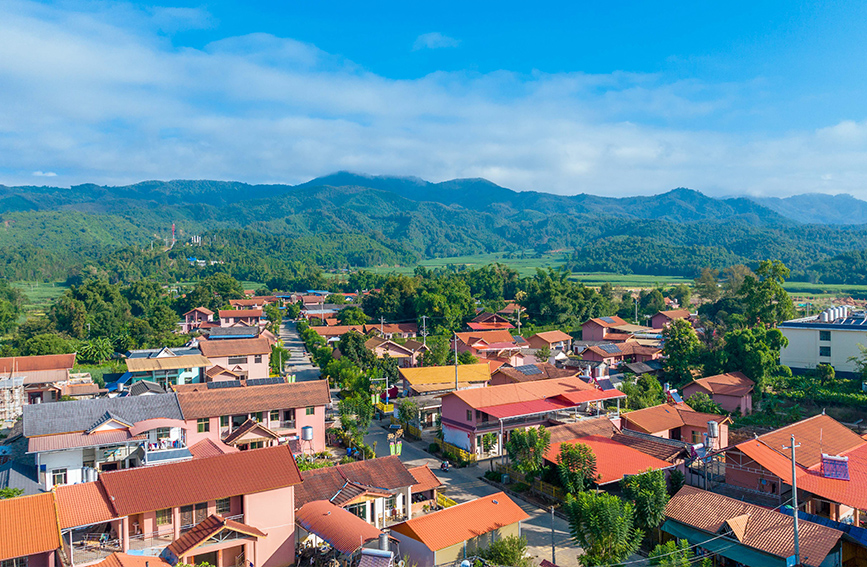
[[831, 337]]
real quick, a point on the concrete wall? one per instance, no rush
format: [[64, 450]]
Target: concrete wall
[[728, 403], [803, 350], [591, 331], [71, 460], [416, 550], [316, 421], [273, 512], [253, 369]]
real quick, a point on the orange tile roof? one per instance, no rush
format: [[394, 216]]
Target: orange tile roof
[[462, 522], [248, 399], [37, 363], [63, 441], [204, 310], [490, 337], [83, 504], [28, 525], [234, 347], [613, 460], [207, 528], [669, 416], [546, 369], [729, 384], [553, 336], [345, 531], [675, 313], [852, 492], [816, 435], [763, 529], [337, 330], [145, 489], [599, 426], [425, 479], [125, 560], [615, 321], [522, 392], [207, 448], [625, 349]]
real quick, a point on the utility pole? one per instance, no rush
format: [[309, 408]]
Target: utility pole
[[635, 299], [519, 320], [553, 548], [456, 360], [424, 329], [793, 446], [382, 326]]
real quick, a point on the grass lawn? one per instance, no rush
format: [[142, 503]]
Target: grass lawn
[[39, 295]]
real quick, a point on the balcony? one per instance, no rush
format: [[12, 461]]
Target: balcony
[[159, 453]]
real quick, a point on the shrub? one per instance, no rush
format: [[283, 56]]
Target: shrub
[[511, 550], [433, 448], [494, 475]]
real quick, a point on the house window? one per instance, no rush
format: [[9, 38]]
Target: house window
[[224, 505], [164, 517], [237, 360], [696, 437], [257, 416], [163, 433], [58, 476], [224, 421], [17, 562], [274, 416], [257, 359], [469, 415], [203, 424], [359, 510], [824, 351], [289, 415], [310, 411], [824, 335]]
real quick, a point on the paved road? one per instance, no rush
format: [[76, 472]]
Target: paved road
[[464, 484], [299, 360]]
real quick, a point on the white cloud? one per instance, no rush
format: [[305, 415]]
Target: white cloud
[[104, 98], [44, 174], [434, 40]]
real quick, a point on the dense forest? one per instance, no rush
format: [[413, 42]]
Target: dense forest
[[278, 233]]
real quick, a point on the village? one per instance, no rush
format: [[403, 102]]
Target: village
[[354, 448]]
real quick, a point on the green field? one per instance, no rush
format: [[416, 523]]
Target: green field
[[524, 266], [39, 295]]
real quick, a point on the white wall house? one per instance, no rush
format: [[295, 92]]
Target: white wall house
[[832, 337]]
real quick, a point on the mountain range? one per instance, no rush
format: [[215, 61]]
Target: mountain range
[[404, 219]]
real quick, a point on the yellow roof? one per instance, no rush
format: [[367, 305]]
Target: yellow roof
[[167, 363], [480, 372]]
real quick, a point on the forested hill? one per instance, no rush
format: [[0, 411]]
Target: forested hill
[[353, 220]]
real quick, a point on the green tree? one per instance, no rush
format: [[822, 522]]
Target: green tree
[[681, 293], [651, 302], [275, 318], [672, 554], [335, 299], [734, 279], [645, 392], [825, 373], [703, 403], [48, 343], [675, 481], [543, 354], [510, 550], [527, 448], [356, 413], [576, 467], [407, 411], [96, 350], [648, 491], [765, 299], [680, 350], [603, 525], [9, 492], [467, 357], [351, 316], [279, 356], [707, 284], [755, 352]]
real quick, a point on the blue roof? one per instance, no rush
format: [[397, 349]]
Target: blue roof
[[856, 533], [168, 455], [114, 386]]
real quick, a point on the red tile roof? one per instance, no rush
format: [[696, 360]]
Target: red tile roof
[[28, 525], [234, 347], [852, 492], [385, 473], [625, 349], [425, 479], [207, 528], [251, 426], [462, 522], [729, 384], [600, 426], [755, 527], [36, 363], [546, 371], [816, 435], [523, 392], [489, 337], [207, 448], [675, 314], [178, 484], [345, 531], [248, 399], [82, 439], [613, 459], [553, 336], [615, 321], [204, 310], [489, 326], [126, 560], [83, 504], [337, 330]]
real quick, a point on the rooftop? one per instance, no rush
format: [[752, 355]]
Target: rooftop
[[462, 522], [234, 347], [247, 399], [669, 416], [240, 313], [614, 460], [343, 530], [522, 392], [21, 364], [729, 384], [607, 321], [425, 479], [167, 363], [39, 515], [384, 473], [532, 372], [553, 336], [479, 372]]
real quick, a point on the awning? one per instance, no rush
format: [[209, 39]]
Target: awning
[[724, 546]]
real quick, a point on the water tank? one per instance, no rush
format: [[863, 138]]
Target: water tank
[[307, 433], [825, 318], [712, 429]]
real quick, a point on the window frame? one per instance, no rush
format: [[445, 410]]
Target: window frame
[[164, 517], [825, 351], [227, 502], [203, 425], [825, 336], [237, 360], [469, 415], [257, 359], [310, 410], [64, 472]]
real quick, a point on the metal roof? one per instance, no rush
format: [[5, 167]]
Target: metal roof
[[80, 415]]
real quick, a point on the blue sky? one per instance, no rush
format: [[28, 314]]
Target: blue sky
[[611, 98]]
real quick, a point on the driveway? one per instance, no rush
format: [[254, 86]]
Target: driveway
[[299, 360], [462, 485]]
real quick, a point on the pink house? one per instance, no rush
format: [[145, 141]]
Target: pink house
[[663, 318], [283, 411], [209, 509], [596, 329], [613, 354], [408, 355], [248, 358], [732, 391], [676, 421], [195, 318], [241, 317], [28, 531], [497, 345]]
